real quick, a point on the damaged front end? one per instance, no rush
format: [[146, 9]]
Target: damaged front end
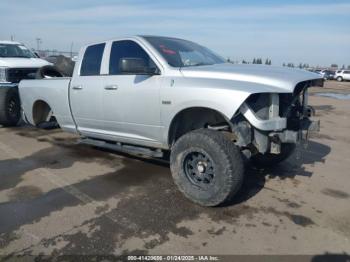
[[265, 121]]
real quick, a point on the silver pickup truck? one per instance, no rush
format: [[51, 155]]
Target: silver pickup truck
[[153, 95]]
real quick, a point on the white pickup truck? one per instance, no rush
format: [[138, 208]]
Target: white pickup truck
[[17, 62], [150, 95]]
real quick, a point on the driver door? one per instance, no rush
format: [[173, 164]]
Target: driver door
[[131, 110]]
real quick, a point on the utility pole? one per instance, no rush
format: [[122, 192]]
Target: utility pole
[[38, 42], [71, 50]]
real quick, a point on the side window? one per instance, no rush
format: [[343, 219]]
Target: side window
[[126, 49], [346, 72], [92, 59]]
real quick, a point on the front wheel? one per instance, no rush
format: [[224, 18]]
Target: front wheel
[[10, 106], [207, 167], [267, 159]]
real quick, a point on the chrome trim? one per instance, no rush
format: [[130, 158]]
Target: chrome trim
[[8, 84]]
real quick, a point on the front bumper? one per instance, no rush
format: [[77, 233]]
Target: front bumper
[[8, 85]]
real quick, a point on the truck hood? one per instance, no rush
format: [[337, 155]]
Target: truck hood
[[19, 62], [279, 77]]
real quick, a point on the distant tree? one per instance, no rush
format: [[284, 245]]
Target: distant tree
[[228, 60], [259, 61], [334, 65], [284, 64], [348, 66], [268, 61], [343, 67], [254, 61], [244, 62], [305, 65], [290, 65], [300, 65]]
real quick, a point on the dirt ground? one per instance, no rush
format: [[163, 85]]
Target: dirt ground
[[58, 197]]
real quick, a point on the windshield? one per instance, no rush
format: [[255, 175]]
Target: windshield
[[13, 50], [182, 53]]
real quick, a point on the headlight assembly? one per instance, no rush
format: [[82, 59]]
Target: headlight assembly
[[3, 75]]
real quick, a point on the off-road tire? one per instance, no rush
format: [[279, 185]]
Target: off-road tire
[[10, 106], [225, 157], [339, 79], [268, 159]]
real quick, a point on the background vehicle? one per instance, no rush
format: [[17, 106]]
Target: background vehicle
[[17, 62], [341, 75], [328, 75], [62, 64], [318, 71], [149, 95]]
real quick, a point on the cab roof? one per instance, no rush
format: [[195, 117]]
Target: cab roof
[[9, 42]]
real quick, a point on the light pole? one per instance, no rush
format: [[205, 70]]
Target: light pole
[[38, 42], [71, 50]]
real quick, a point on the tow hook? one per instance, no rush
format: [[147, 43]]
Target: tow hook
[[275, 145], [310, 111]]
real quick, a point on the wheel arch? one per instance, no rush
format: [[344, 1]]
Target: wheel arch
[[194, 118], [340, 78], [41, 111]]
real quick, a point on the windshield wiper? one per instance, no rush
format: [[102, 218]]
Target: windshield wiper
[[200, 64], [21, 56]]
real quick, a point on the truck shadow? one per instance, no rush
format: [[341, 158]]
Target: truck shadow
[[294, 166], [334, 257]]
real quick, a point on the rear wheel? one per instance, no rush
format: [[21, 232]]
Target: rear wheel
[[10, 106], [207, 167], [339, 79], [267, 160], [48, 120], [52, 124]]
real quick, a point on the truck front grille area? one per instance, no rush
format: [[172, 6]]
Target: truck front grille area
[[289, 106], [260, 104], [292, 108], [14, 75]]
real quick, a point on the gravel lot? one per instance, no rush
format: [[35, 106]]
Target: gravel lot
[[58, 197]]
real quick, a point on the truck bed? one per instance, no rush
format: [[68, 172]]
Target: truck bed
[[52, 91]]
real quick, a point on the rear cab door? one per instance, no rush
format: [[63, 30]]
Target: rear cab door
[[86, 91], [346, 75]]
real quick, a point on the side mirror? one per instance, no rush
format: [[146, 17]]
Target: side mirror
[[135, 66]]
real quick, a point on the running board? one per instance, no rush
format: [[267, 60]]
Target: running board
[[129, 149]]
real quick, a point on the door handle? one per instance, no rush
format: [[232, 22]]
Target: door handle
[[111, 87], [79, 87]]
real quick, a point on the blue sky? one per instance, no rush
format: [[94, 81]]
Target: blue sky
[[314, 32]]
